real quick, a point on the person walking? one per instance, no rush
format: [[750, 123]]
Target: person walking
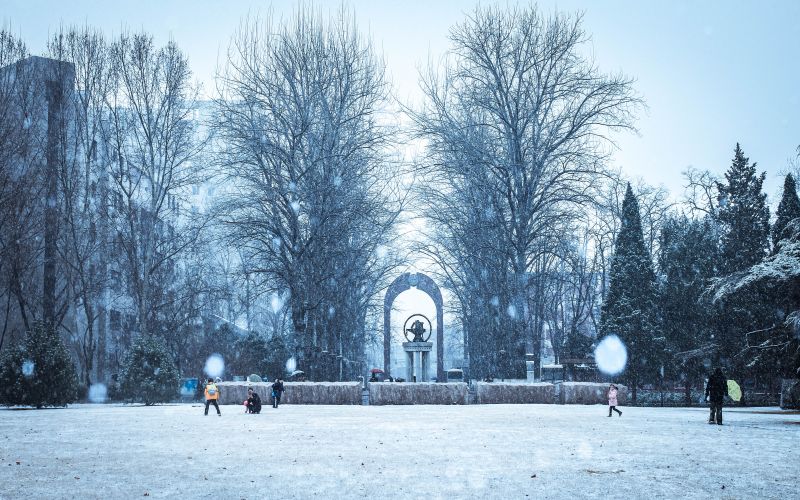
[[612, 400], [277, 392], [716, 390], [212, 395]]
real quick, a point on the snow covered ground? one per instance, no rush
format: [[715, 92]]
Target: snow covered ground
[[475, 451]]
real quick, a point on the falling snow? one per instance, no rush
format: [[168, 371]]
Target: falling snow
[[611, 355], [215, 366]]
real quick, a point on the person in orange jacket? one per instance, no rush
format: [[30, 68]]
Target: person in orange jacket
[[212, 395]]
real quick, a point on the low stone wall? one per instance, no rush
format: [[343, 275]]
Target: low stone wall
[[589, 393], [421, 393], [510, 393], [298, 393]]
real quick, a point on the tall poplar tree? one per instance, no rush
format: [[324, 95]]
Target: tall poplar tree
[[687, 257], [629, 308], [788, 209], [743, 214]]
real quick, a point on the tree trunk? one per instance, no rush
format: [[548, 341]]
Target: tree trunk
[[54, 126]]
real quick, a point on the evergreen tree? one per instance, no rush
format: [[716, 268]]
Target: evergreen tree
[[744, 224], [743, 214], [629, 308], [686, 263], [40, 373], [788, 209], [278, 355], [252, 354], [222, 341], [149, 374]]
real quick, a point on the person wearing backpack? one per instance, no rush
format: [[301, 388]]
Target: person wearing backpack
[[212, 395], [277, 392]]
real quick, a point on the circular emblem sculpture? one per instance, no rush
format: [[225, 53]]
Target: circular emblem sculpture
[[417, 328]]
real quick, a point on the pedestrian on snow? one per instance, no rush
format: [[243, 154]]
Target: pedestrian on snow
[[277, 392], [716, 390], [212, 395], [253, 401], [612, 400]]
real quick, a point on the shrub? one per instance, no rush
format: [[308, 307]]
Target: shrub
[[149, 374], [40, 373]]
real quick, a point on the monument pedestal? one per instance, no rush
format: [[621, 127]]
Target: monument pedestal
[[418, 361], [529, 368]]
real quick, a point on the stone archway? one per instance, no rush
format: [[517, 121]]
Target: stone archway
[[398, 286]]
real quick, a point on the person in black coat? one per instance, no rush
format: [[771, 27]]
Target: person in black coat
[[253, 401], [716, 390], [277, 392]]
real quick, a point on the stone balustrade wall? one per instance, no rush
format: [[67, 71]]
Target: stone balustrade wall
[[420, 393], [514, 393], [589, 393], [298, 393]]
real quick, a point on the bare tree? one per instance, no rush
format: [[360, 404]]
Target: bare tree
[[19, 157], [299, 137], [700, 192], [517, 101], [155, 159], [83, 189], [34, 95]]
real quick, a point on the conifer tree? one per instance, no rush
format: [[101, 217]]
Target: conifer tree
[[686, 263], [788, 209], [149, 374], [40, 373], [743, 214], [629, 308]]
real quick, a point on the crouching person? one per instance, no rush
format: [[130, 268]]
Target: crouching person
[[253, 401]]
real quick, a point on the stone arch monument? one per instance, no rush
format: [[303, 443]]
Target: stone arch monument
[[424, 283]]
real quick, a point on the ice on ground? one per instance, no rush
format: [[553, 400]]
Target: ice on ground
[[331, 452]]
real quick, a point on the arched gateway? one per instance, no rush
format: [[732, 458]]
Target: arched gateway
[[398, 286]]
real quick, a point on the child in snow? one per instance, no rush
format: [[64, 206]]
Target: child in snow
[[212, 394], [612, 400]]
